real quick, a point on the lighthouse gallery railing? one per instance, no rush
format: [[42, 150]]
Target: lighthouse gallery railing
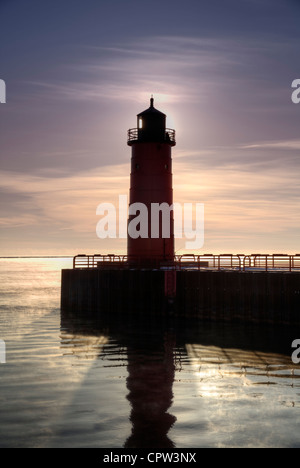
[[170, 135], [237, 262]]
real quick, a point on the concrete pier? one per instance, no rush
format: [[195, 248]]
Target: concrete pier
[[247, 296]]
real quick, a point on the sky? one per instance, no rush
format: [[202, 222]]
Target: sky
[[78, 72]]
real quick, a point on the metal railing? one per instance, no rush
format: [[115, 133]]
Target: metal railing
[[133, 135], [95, 261], [241, 262], [170, 135], [233, 262]]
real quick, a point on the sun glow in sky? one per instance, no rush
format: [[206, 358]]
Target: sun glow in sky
[[77, 74]]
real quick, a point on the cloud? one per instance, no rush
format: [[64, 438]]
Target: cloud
[[228, 100], [179, 69], [287, 145], [241, 200], [64, 202], [215, 92]]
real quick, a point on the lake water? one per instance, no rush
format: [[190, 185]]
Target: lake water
[[86, 382]]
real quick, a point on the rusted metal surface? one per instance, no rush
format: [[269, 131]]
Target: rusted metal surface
[[234, 262]]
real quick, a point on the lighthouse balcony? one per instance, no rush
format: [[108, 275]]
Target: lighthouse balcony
[[136, 135]]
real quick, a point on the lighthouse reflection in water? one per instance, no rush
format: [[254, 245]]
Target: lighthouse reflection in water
[[186, 384], [149, 355], [151, 372]]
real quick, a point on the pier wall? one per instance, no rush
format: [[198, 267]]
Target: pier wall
[[261, 297]]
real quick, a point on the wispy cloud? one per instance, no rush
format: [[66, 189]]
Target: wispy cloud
[[64, 202], [179, 69], [239, 204], [286, 144], [235, 151]]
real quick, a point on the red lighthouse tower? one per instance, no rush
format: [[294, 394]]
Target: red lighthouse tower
[[151, 186]]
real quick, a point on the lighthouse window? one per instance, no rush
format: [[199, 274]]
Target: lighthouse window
[[137, 166], [166, 166], [140, 123]]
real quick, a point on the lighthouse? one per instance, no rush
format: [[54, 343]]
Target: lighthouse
[[151, 279], [151, 190]]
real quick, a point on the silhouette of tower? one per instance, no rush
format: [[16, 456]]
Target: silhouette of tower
[[151, 183], [150, 383]]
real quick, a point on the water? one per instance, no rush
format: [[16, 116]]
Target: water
[[86, 382]]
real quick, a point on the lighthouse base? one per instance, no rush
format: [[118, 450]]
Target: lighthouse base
[[260, 297]]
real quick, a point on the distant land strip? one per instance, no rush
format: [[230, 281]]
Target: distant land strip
[[42, 256]]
